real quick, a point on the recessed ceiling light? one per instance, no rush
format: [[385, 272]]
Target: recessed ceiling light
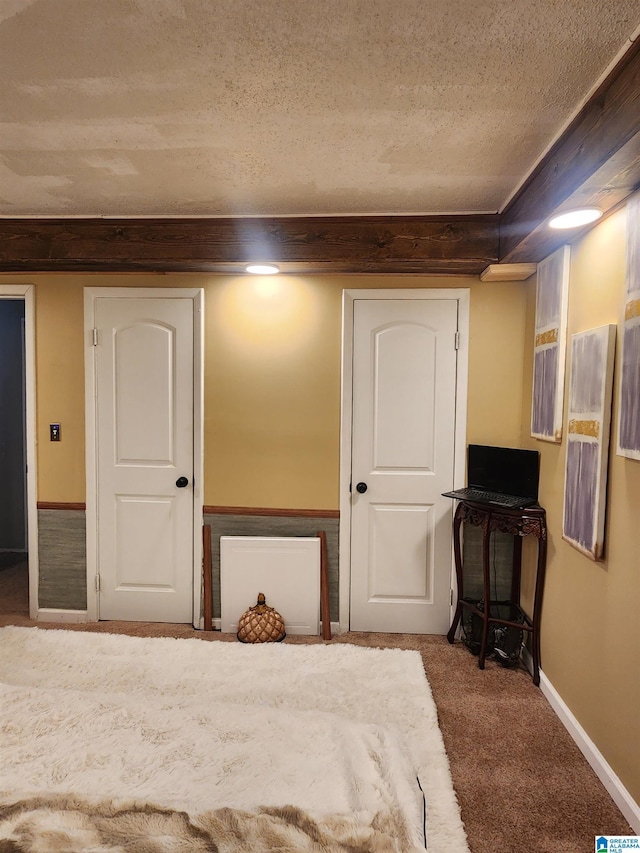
[[262, 269], [575, 218]]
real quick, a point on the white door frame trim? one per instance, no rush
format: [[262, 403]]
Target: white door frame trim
[[26, 292], [462, 295], [197, 296]]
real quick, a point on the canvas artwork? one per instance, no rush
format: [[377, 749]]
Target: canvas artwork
[[590, 390], [629, 405], [552, 297]]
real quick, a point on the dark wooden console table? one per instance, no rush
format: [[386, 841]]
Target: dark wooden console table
[[519, 523]]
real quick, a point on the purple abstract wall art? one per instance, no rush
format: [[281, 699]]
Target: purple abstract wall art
[[544, 391], [629, 397], [580, 489], [552, 296], [588, 364], [590, 393], [549, 291], [629, 423]]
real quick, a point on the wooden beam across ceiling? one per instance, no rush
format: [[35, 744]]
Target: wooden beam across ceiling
[[595, 162], [330, 244]]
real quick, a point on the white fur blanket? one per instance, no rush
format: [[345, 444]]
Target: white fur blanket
[[235, 747]]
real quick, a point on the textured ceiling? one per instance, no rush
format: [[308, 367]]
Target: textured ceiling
[[289, 107]]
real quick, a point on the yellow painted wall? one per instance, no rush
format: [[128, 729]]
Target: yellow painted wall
[[272, 379], [273, 382], [591, 611]]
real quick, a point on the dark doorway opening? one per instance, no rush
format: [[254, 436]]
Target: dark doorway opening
[[14, 565]]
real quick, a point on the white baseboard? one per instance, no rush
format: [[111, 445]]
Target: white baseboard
[[217, 623], [53, 614], [603, 770]]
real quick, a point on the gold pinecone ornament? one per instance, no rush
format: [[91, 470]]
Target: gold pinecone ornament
[[261, 624]]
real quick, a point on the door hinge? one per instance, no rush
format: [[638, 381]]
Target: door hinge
[[95, 337], [451, 597], [97, 583], [457, 340]]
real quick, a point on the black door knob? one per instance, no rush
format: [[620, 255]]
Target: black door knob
[[181, 482], [362, 488]]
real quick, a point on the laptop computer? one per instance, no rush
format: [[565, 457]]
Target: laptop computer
[[501, 476]]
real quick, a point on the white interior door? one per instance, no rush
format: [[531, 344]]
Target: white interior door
[[144, 363], [403, 441]]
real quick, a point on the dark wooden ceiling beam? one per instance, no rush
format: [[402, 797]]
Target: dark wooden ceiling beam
[[595, 162], [375, 244]]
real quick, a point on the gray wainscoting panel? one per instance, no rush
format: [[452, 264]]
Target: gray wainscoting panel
[[63, 559], [258, 525], [63, 562]]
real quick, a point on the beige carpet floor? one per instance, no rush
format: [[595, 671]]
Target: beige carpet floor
[[522, 784]]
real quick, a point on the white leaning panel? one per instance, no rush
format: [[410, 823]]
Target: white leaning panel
[[285, 569]]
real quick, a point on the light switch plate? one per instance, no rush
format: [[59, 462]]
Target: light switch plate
[[54, 432]]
